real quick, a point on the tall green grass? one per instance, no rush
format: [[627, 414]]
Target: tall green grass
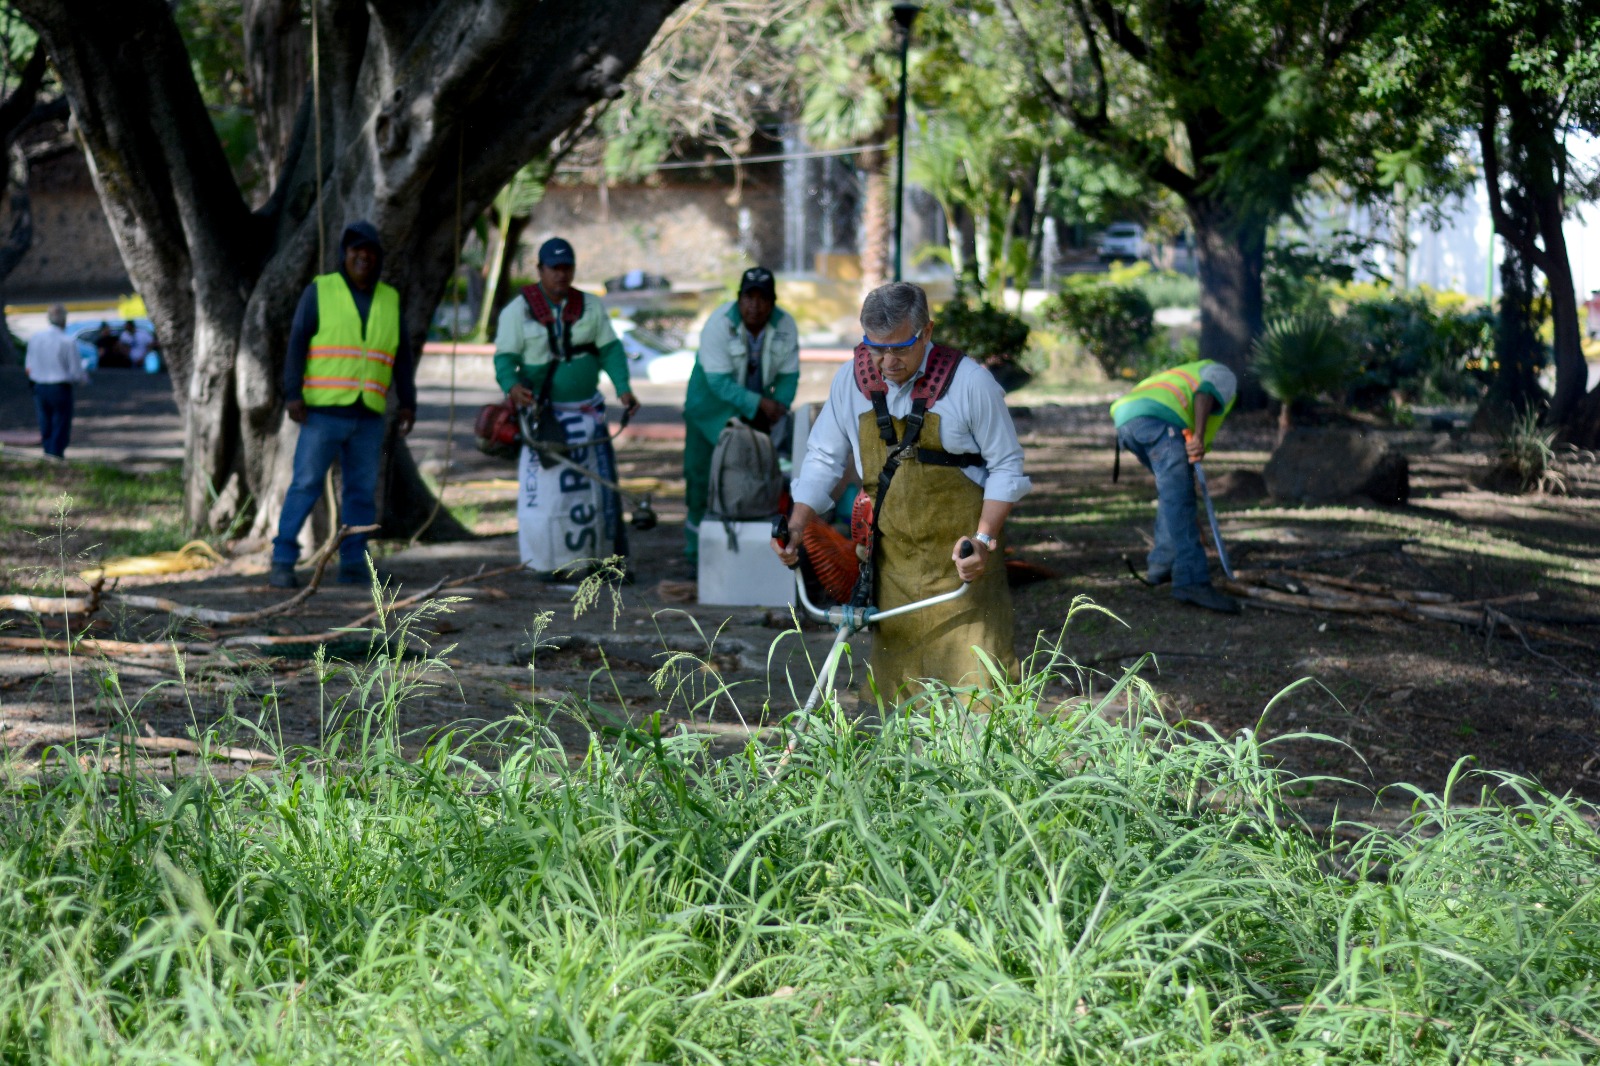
[[1056, 881]]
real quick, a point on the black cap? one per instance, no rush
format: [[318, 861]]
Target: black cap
[[360, 233], [761, 279], [556, 252]]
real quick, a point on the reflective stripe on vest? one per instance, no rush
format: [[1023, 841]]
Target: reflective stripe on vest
[[347, 363], [1174, 389]]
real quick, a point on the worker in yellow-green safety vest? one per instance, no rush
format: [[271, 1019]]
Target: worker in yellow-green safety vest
[[348, 349], [1156, 421]]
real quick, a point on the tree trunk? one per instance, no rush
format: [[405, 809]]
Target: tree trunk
[[505, 285], [1231, 253], [1572, 370], [1402, 238], [409, 87], [277, 44], [1583, 428], [874, 220]]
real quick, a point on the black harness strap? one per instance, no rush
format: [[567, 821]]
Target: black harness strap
[[962, 460], [864, 593]]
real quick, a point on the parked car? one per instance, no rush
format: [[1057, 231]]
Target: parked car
[[1122, 240]]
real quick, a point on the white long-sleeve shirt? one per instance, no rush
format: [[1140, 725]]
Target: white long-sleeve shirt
[[972, 418], [53, 358]]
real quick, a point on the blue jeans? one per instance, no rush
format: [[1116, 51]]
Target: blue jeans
[[357, 442], [54, 403], [1159, 446]]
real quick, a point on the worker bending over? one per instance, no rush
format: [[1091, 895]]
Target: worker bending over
[[928, 432], [748, 367], [1157, 421]]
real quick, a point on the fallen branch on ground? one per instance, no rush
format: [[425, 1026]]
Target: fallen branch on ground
[[190, 747], [347, 631], [212, 616], [1342, 596], [55, 605], [91, 646]]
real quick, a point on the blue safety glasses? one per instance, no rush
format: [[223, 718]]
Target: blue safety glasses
[[916, 338]]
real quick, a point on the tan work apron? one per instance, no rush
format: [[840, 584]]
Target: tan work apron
[[929, 509]]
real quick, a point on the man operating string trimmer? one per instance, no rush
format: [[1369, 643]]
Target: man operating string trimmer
[[929, 434]]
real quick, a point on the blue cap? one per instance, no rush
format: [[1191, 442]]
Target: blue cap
[[556, 252]]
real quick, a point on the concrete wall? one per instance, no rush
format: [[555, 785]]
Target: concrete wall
[[73, 255], [684, 229]]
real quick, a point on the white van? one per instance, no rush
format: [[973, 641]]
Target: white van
[[1122, 240]]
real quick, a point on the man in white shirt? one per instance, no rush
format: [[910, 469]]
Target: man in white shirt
[[53, 367], [928, 432]]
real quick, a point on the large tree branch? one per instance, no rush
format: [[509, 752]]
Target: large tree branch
[[1488, 139], [1121, 33], [17, 108], [1095, 122]]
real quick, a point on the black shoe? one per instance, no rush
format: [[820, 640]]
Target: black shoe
[[359, 575], [1157, 577], [281, 576], [1206, 596]]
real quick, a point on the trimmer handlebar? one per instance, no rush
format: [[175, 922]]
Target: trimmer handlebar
[[854, 618]]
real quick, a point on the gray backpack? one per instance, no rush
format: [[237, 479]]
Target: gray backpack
[[745, 481]]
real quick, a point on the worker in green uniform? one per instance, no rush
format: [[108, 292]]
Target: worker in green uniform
[[748, 367], [552, 343]]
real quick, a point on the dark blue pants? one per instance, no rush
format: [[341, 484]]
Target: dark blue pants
[[54, 403], [357, 442], [1177, 551]]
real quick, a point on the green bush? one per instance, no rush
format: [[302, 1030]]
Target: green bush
[[987, 333], [991, 335], [1168, 288], [1404, 346], [1114, 322]]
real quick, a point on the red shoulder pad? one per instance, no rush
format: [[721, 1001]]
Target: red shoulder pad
[[539, 307], [868, 380], [938, 371]]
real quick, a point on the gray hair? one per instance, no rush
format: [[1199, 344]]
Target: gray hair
[[888, 307], [57, 315]]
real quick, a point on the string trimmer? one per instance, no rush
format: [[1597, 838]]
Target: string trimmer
[[644, 515], [848, 619]]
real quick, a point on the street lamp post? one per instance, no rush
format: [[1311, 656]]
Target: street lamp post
[[904, 15]]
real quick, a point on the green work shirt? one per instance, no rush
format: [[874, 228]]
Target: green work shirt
[[522, 351], [717, 389]]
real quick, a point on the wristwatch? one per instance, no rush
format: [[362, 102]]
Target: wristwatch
[[986, 540]]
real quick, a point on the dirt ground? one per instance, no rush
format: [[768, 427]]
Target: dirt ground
[[1403, 700]]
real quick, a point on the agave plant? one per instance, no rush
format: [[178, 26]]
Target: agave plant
[[1526, 459], [1300, 357]]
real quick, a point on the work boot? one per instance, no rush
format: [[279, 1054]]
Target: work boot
[[281, 576], [1206, 596], [358, 574]]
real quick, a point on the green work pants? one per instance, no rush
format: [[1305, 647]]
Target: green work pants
[[697, 451]]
